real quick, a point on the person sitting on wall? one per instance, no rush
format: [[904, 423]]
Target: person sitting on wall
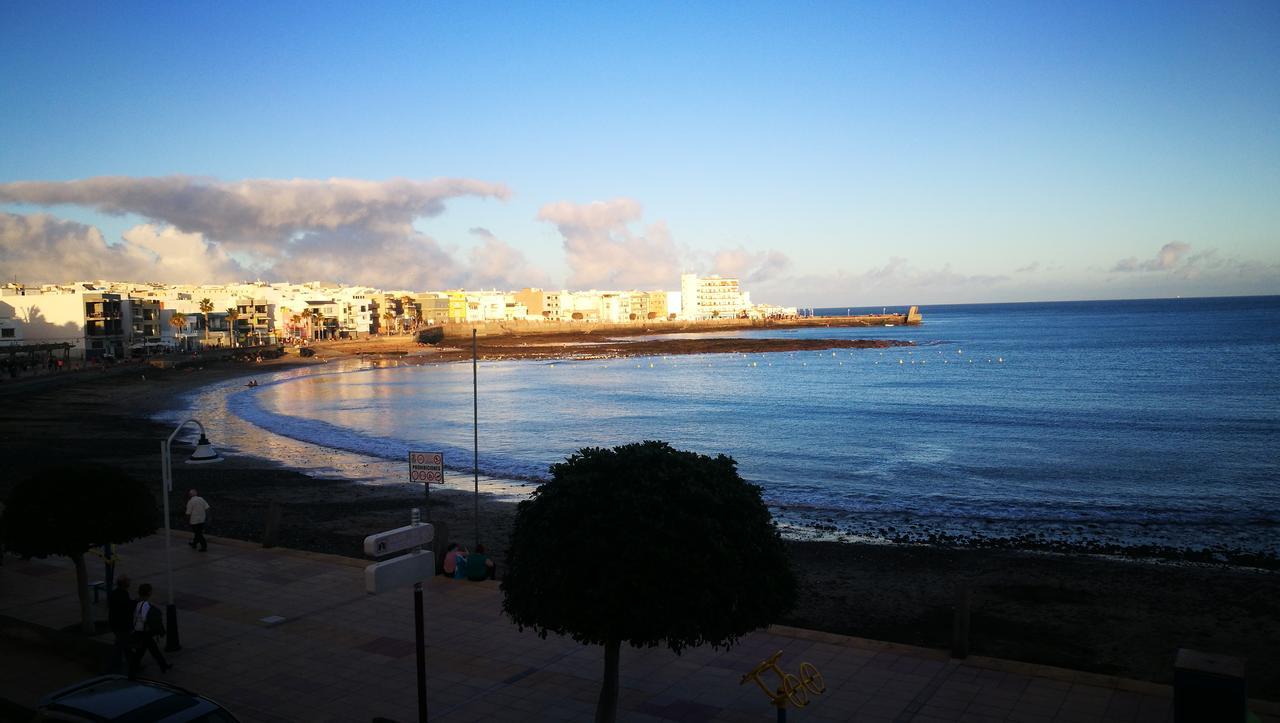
[[480, 566], [452, 557]]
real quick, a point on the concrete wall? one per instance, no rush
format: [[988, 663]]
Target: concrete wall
[[463, 330]]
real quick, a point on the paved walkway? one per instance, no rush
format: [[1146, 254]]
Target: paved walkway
[[279, 635]]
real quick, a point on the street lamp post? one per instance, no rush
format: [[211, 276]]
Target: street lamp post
[[203, 454]]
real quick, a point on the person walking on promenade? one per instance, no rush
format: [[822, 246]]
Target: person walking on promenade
[[120, 616], [197, 512], [148, 622]]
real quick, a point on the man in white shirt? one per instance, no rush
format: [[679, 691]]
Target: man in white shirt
[[197, 510]]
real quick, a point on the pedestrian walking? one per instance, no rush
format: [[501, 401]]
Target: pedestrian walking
[[120, 616], [148, 622], [197, 513]]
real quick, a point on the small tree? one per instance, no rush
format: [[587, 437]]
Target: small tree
[[233, 315], [647, 545], [67, 509], [179, 323], [206, 308]]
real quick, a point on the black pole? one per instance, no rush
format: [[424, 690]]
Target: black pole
[[475, 429], [421, 636], [109, 570], [171, 640]]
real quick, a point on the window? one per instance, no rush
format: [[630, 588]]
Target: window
[[6, 333]]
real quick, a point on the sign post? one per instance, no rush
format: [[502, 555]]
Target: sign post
[[426, 467], [397, 572]]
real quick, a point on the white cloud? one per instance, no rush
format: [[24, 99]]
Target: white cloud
[[750, 266], [497, 264], [897, 281], [603, 252], [39, 248], [338, 229], [1166, 259], [165, 254]]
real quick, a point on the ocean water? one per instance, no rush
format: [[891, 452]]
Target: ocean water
[[1149, 422]]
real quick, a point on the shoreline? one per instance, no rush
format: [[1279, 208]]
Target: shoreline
[[1077, 610]]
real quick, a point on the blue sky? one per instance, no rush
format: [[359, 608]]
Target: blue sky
[[831, 154]]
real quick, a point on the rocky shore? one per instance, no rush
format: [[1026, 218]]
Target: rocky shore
[[583, 345], [1062, 607]]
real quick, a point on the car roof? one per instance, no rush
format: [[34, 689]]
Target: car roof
[[116, 698]]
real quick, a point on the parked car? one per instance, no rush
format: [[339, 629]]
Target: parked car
[[117, 698]]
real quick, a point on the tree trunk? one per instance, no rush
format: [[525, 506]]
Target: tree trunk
[[82, 582], [607, 706]]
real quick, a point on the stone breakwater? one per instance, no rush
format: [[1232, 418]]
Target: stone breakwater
[[586, 346], [651, 326]]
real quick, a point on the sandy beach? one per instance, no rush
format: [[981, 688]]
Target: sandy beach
[[1119, 616]]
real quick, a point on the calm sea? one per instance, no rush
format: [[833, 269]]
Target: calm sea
[[1126, 422]]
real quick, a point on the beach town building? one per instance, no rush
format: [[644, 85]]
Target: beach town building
[[91, 321], [141, 319], [539, 304], [433, 306], [10, 329], [356, 310], [494, 305], [256, 321], [711, 297], [324, 318], [118, 318]]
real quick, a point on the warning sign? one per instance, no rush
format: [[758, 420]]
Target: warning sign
[[426, 467]]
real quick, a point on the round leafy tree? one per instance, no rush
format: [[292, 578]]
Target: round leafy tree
[[647, 545], [67, 509]]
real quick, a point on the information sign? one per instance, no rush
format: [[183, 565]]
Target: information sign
[[426, 467], [399, 572], [398, 540]]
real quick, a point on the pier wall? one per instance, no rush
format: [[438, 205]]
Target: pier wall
[[457, 330]]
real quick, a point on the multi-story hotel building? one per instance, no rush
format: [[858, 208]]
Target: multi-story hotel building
[[710, 297]]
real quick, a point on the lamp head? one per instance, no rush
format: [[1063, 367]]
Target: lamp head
[[204, 453]]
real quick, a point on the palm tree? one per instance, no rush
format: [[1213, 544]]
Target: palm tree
[[388, 316], [178, 321], [295, 321], [307, 315], [206, 307], [233, 314]]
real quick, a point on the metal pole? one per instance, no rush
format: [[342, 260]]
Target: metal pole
[[420, 635], [165, 485], [172, 641], [475, 429]]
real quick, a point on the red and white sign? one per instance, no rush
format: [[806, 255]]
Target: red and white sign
[[426, 467]]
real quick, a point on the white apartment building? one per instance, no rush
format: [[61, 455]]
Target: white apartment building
[[711, 297], [91, 321]]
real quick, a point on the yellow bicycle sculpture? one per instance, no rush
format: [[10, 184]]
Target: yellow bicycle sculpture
[[794, 688]]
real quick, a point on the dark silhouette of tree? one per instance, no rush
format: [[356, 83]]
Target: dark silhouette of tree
[[67, 509], [647, 545]]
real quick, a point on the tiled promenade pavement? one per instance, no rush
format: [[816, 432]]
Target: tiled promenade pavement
[[338, 654]]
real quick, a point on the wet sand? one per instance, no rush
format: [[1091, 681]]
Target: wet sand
[[1088, 612]]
